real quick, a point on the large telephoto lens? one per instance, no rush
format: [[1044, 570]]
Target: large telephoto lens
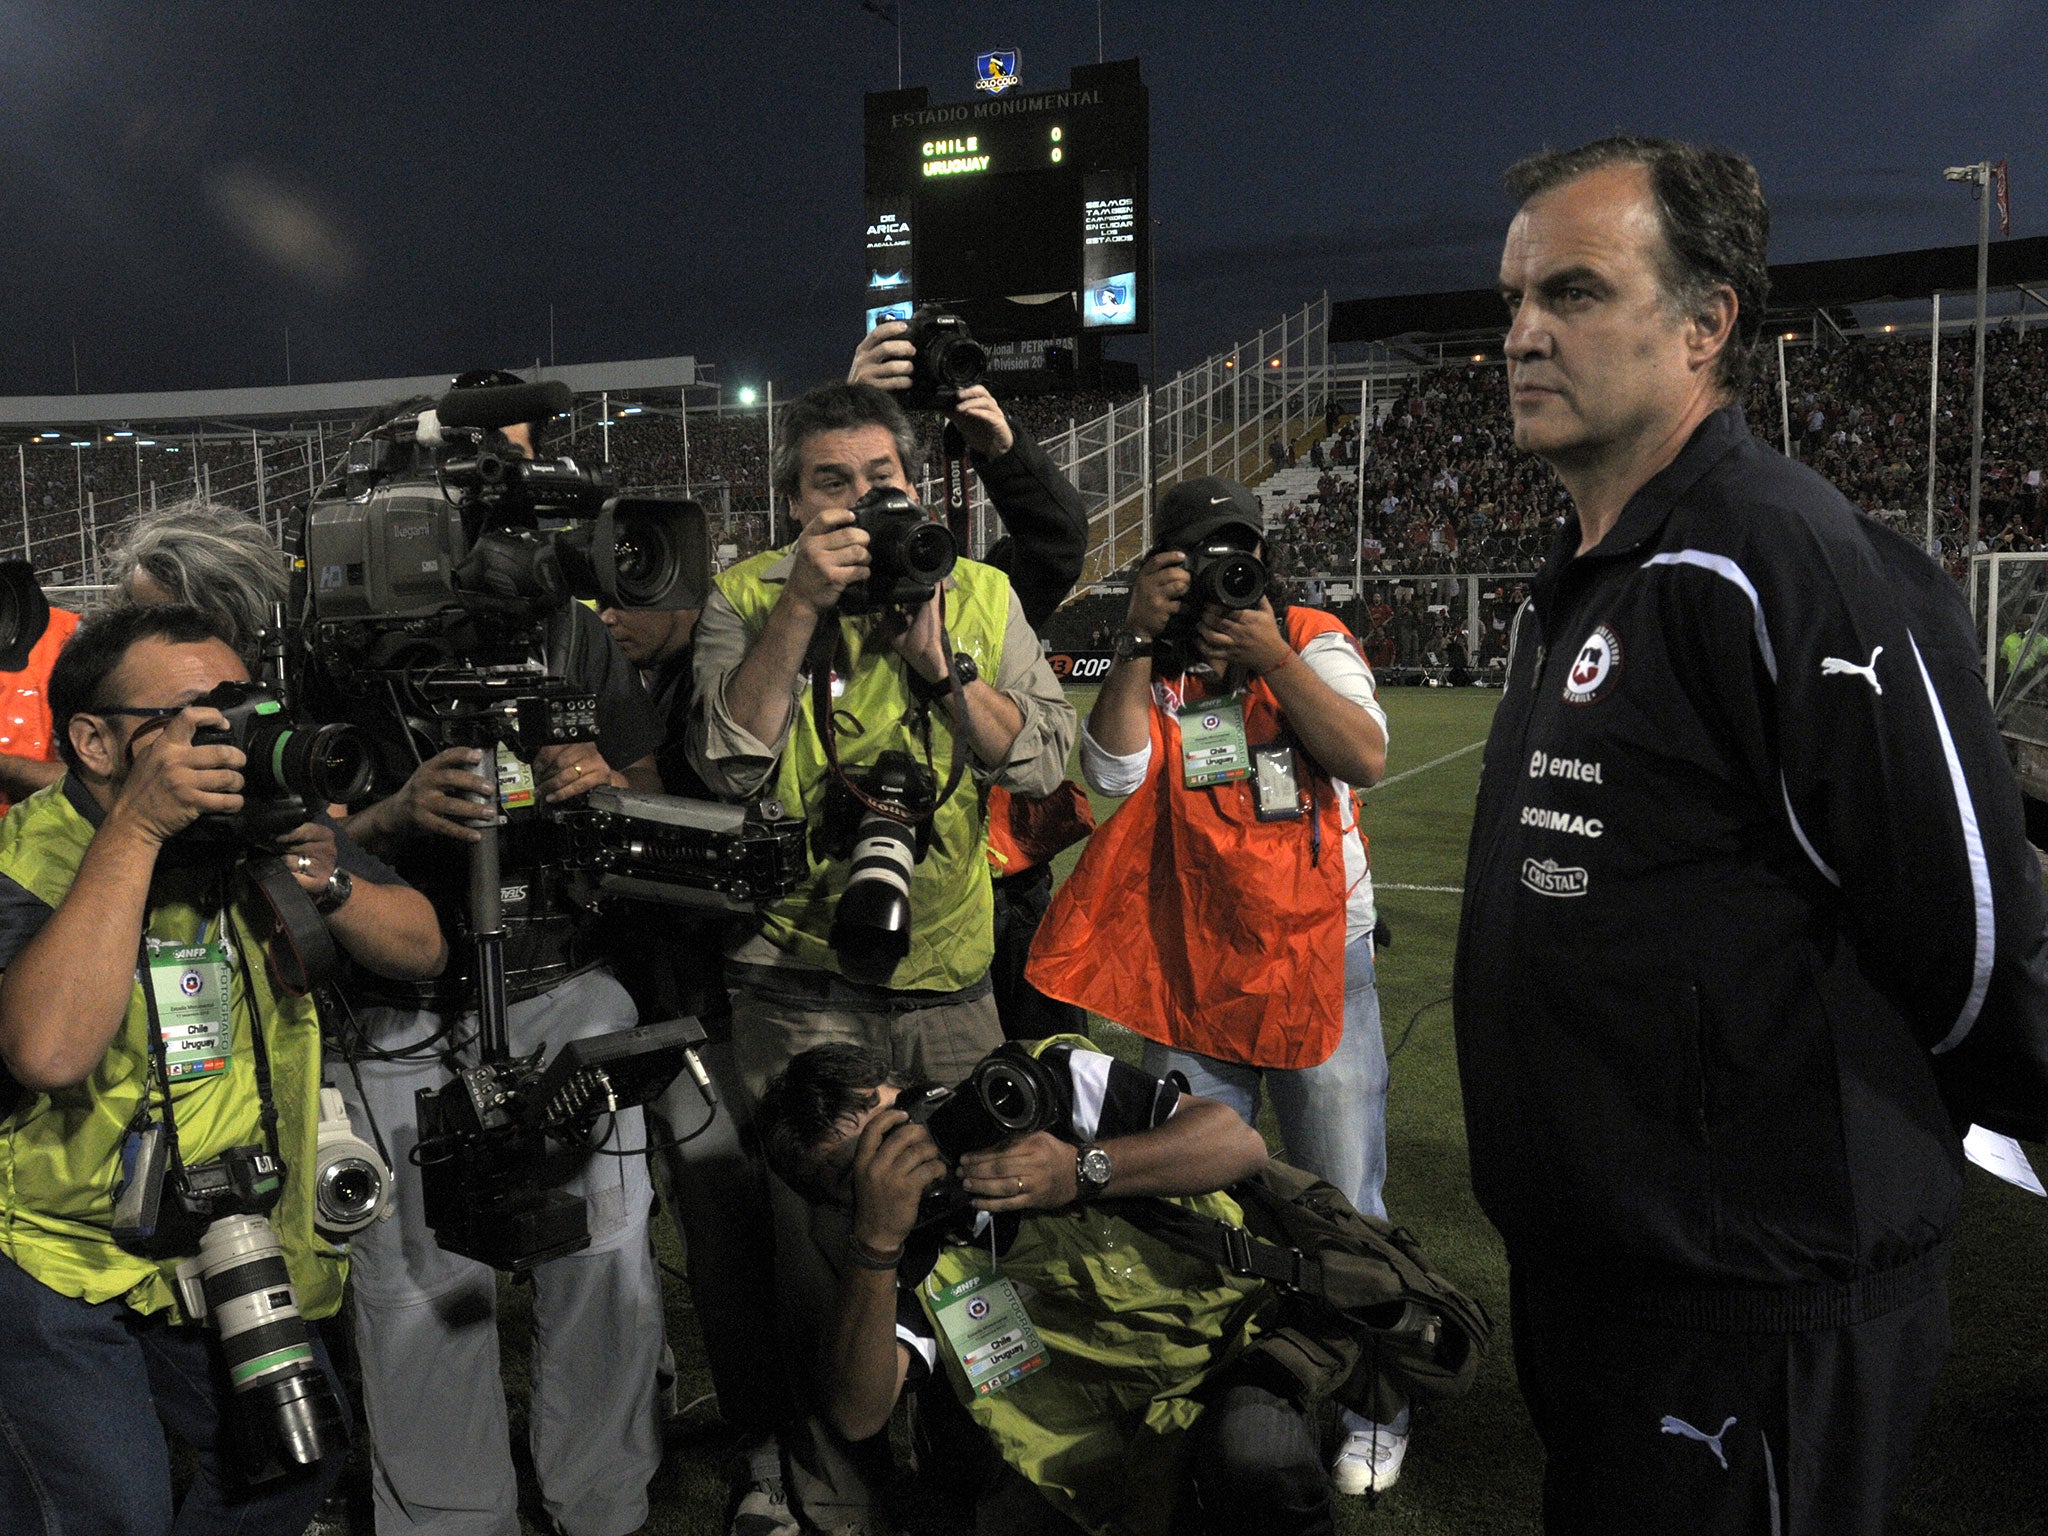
[[871, 928], [269, 1356]]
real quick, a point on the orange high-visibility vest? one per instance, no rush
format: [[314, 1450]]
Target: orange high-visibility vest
[[1024, 832], [1196, 924], [25, 727]]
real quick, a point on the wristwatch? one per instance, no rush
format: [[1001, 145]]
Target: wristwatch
[[340, 886], [1091, 1172], [964, 670], [1129, 645]]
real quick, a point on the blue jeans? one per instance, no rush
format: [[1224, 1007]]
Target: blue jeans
[[1332, 1116], [88, 1394]]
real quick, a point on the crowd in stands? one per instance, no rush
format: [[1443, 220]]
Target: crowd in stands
[[1445, 490]]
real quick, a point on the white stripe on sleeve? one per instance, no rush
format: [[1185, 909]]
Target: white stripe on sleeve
[[1980, 871], [1090, 1072]]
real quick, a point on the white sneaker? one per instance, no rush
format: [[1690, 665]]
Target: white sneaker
[[1370, 1459], [764, 1511]]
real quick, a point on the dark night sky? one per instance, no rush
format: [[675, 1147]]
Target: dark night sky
[[409, 188]]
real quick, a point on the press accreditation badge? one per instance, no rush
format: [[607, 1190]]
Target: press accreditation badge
[[190, 982], [1213, 749], [988, 1331], [515, 784]]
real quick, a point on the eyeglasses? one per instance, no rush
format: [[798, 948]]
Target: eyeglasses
[[140, 711]]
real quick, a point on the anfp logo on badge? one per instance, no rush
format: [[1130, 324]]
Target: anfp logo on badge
[[977, 1308], [997, 70], [1594, 667], [191, 983], [1210, 722]]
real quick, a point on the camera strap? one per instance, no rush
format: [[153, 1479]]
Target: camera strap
[[820, 657], [956, 472], [302, 951]]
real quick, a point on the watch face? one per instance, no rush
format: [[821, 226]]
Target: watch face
[[1093, 1167]]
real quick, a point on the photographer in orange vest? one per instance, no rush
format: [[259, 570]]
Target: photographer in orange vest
[[28, 752], [1225, 911]]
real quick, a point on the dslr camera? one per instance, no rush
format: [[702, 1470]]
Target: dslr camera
[[908, 554], [1221, 574], [881, 819], [294, 768], [235, 1282], [1010, 1093], [947, 361]]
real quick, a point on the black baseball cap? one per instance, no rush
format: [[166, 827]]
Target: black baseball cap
[[1195, 509]]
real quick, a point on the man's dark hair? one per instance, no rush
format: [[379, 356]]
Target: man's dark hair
[[1716, 225], [96, 649], [806, 1104], [837, 408]]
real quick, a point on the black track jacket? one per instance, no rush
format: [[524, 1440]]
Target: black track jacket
[[1750, 922]]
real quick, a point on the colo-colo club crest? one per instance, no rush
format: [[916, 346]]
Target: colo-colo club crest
[[997, 70], [1594, 668]]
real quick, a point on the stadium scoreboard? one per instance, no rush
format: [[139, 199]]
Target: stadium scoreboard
[[1037, 200]]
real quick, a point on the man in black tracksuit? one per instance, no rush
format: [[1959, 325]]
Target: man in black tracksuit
[[1751, 928]]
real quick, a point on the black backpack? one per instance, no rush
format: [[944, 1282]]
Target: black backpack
[[1362, 1307]]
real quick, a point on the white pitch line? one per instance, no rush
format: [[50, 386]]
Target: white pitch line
[[1435, 762], [1448, 890]]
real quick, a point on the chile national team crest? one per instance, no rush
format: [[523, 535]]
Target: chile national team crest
[[997, 70], [1594, 668]]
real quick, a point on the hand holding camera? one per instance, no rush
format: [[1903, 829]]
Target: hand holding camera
[[1033, 1173], [1157, 594], [309, 854], [574, 769], [831, 554], [173, 781], [919, 638], [444, 796], [894, 1163], [1249, 637], [932, 363]]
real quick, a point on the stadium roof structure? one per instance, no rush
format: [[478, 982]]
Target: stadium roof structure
[[1797, 286], [290, 401]]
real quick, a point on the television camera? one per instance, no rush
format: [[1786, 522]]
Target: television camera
[[429, 577]]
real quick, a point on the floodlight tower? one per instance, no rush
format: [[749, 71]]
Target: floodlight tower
[[1979, 177]]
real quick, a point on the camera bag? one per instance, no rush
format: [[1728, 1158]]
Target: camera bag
[[1361, 1305]]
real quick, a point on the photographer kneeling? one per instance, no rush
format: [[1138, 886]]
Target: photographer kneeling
[[142, 1017], [1094, 1357]]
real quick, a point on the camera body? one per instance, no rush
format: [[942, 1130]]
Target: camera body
[[908, 554], [293, 768], [1221, 574], [948, 360], [1010, 1093]]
